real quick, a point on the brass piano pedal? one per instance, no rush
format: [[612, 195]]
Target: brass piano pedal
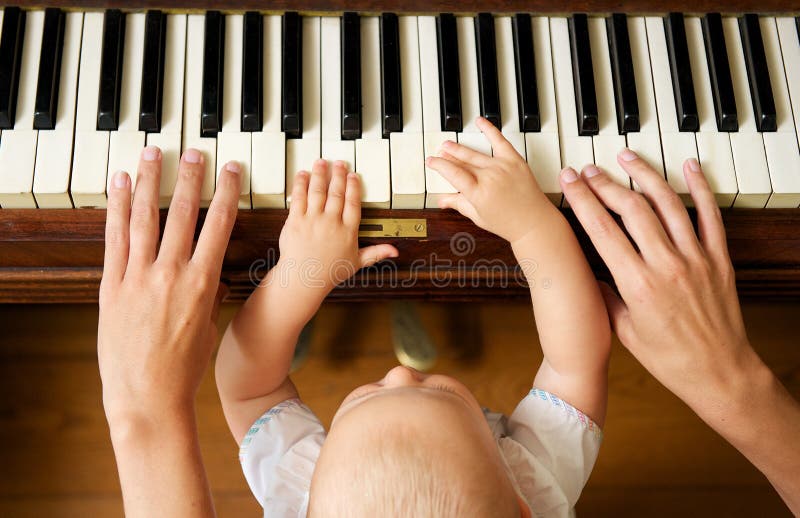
[[303, 346], [412, 344]]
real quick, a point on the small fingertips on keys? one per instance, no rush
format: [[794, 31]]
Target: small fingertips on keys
[[122, 180], [590, 171], [151, 154], [627, 155], [693, 165], [569, 175], [192, 156], [233, 167]]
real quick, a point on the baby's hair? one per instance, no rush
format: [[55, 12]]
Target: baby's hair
[[398, 475]]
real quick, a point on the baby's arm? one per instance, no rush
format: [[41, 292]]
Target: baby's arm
[[319, 249], [501, 195]]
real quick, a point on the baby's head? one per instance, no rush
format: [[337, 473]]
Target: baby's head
[[411, 445]]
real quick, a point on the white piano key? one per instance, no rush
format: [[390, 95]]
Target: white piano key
[[713, 146], [407, 153], [433, 137], [268, 172], [747, 145], [783, 154], [192, 98], [372, 150], [54, 147], [18, 145], [507, 84], [576, 151], [125, 145], [677, 146], [608, 142], [232, 142], [169, 138], [333, 147], [542, 148], [468, 76], [790, 49], [302, 152], [647, 141]]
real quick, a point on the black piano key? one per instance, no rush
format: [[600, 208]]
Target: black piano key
[[46, 105], [213, 73], [292, 77], [525, 64], [10, 61], [681, 71], [111, 70], [253, 72], [351, 76], [583, 75], [755, 61], [449, 80], [622, 75], [719, 71], [486, 51], [391, 87], [155, 47]]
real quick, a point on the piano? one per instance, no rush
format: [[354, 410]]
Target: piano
[[85, 85]]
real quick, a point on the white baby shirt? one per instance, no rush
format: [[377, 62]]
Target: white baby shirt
[[549, 448]]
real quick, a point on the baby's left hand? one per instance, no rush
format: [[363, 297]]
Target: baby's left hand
[[319, 242]]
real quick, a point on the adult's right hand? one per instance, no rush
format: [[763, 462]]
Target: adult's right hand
[[678, 312]]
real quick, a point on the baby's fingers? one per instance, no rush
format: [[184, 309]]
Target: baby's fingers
[[466, 155], [459, 203], [500, 146], [351, 215], [458, 177], [370, 255]]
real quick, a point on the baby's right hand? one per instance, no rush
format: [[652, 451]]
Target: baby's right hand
[[498, 193], [319, 241]]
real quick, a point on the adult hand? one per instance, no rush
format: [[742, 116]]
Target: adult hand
[[157, 329], [678, 312]]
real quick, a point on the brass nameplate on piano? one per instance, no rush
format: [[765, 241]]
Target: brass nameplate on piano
[[389, 227]]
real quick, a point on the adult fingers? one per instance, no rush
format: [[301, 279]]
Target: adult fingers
[[458, 203], [709, 217], [318, 187], [666, 204], [458, 177], [176, 244], [370, 255], [637, 215], [500, 146], [351, 215], [219, 221], [336, 189], [299, 203], [464, 154], [611, 243], [117, 228], [144, 212]]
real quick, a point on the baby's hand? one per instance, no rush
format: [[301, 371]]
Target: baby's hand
[[319, 242], [498, 193]]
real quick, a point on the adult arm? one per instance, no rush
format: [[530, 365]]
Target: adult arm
[[157, 330], [678, 313]]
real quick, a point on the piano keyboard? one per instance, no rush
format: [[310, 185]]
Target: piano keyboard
[[82, 92]]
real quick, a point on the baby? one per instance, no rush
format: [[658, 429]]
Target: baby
[[413, 444]]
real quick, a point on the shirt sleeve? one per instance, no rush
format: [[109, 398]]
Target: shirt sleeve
[[558, 445], [278, 455]]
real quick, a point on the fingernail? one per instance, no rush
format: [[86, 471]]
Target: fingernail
[[448, 143], [628, 155], [694, 165], [352, 176], [339, 163], [590, 170], [121, 179], [192, 156], [569, 175], [151, 153], [233, 167]]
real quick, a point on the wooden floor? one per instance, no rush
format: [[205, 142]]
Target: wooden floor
[[658, 459]]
